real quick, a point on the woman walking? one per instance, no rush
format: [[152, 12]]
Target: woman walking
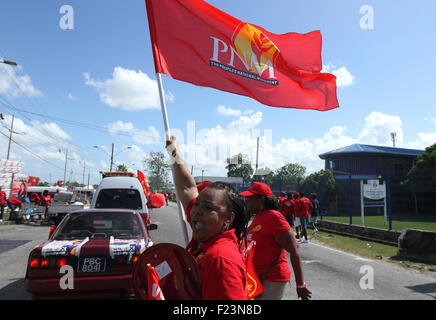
[[273, 236]]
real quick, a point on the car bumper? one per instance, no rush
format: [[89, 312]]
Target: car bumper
[[82, 288]]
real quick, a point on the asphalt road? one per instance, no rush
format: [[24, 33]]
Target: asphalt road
[[330, 274]]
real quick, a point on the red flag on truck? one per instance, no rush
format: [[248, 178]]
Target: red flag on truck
[[195, 42]]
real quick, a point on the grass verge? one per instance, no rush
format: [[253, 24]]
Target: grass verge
[[399, 223], [368, 249]]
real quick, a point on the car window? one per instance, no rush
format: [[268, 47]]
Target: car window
[[100, 225], [119, 198]]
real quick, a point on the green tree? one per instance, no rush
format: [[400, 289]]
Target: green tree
[[157, 168], [239, 166], [422, 176], [289, 175], [312, 184], [121, 168]]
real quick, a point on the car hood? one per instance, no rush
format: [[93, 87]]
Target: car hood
[[85, 247]]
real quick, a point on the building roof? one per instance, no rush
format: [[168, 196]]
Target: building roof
[[372, 150]]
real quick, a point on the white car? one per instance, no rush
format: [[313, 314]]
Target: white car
[[121, 190]]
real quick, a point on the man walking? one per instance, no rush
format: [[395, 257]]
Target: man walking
[[306, 208], [287, 206], [315, 212]]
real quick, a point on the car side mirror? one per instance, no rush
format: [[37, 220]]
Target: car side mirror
[[152, 226]]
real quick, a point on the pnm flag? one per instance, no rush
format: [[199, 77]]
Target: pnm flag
[[33, 181], [154, 290], [144, 182], [254, 286], [59, 182], [195, 42]]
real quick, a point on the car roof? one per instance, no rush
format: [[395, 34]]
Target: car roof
[[120, 183], [96, 211]]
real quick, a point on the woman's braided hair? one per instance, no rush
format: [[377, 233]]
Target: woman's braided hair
[[236, 204]]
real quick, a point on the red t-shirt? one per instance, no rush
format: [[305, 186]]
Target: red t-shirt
[[299, 210], [222, 267], [262, 230], [288, 207], [3, 197], [306, 206], [45, 200]]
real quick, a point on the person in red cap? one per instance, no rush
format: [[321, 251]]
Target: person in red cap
[[273, 236], [219, 218]]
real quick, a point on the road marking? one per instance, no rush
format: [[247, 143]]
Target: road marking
[[311, 261], [357, 258]]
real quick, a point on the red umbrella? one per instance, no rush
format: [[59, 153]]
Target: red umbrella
[[158, 200]]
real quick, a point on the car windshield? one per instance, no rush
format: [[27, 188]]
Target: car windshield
[[120, 225], [119, 198]]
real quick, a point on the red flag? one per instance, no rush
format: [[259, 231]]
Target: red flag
[[144, 182], [157, 200], [254, 286], [195, 42], [59, 182], [33, 181], [154, 290]]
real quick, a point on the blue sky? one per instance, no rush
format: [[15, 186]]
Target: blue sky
[[95, 85]]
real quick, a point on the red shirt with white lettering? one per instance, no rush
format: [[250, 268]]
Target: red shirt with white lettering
[[262, 230], [222, 267]]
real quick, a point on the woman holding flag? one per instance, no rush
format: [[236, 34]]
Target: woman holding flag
[[273, 237], [219, 218]]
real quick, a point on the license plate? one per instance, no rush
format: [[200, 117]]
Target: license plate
[[91, 264]]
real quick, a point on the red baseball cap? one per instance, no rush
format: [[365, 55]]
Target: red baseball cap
[[257, 188]]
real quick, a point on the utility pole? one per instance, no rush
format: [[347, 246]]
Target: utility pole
[[393, 138], [65, 170], [84, 173], [10, 136], [112, 156], [257, 160]]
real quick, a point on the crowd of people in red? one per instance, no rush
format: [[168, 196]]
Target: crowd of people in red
[[14, 203]]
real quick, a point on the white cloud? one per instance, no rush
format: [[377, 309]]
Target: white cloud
[[128, 90], [343, 77], [423, 141], [14, 85], [169, 96], [150, 136], [378, 128], [71, 97], [224, 111]]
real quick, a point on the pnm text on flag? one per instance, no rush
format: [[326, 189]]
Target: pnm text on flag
[[195, 42]]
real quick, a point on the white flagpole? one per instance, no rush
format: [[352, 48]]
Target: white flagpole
[[167, 134]]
